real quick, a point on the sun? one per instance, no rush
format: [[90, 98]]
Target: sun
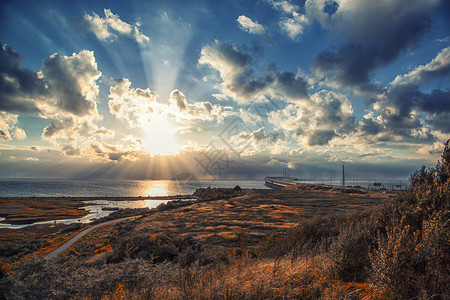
[[160, 137]]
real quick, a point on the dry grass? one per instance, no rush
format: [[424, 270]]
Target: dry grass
[[246, 247]]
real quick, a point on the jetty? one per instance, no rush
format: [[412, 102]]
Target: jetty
[[280, 182]]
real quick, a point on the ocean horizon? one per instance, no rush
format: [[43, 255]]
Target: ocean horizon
[[34, 187], [55, 187]]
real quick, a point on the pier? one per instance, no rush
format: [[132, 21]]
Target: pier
[[282, 182]]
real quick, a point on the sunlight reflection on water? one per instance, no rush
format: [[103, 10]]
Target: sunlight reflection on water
[[107, 188], [111, 188]]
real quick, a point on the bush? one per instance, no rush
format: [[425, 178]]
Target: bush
[[412, 257]]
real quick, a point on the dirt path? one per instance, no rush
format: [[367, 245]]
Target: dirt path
[[73, 240]]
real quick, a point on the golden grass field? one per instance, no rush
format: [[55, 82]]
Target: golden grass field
[[248, 217]]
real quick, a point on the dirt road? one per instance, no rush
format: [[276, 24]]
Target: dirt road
[[73, 240]]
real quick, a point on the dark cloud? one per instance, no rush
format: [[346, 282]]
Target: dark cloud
[[236, 70], [4, 135], [436, 102], [320, 137], [59, 128], [293, 87], [71, 150], [242, 83], [377, 33], [399, 105], [71, 81], [440, 121], [18, 86], [64, 91], [398, 109], [179, 99], [330, 7], [350, 64], [370, 126]]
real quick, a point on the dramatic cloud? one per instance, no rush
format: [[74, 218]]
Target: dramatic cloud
[[440, 121], [292, 87], [257, 137], [111, 152], [71, 102], [250, 26], [377, 32], [179, 99], [400, 106], [64, 91], [133, 106], [71, 82], [437, 68], [107, 28], [240, 82], [235, 69], [326, 116], [205, 111], [8, 128], [19, 87]]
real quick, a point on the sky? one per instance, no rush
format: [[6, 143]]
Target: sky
[[223, 89]]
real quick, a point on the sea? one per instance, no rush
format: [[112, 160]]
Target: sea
[[113, 188], [133, 188], [109, 188]]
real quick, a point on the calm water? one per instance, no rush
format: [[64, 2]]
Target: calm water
[[111, 188], [108, 188], [95, 211]]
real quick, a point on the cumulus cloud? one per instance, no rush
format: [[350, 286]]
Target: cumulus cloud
[[111, 152], [179, 99], [204, 111], [292, 87], [326, 116], [400, 106], [246, 24], [19, 133], [292, 23], [133, 106], [376, 33], [71, 150], [437, 68], [71, 85], [241, 83], [64, 92], [285, 6], [111, 25], [66, 85], [293, 27], [257, 137], [19, 87], [72, 94], [8, 128], [235, 68]]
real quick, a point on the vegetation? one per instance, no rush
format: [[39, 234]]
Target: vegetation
[[398, 251]]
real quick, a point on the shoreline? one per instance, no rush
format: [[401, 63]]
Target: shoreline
[[40, 211], [30, 211]]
